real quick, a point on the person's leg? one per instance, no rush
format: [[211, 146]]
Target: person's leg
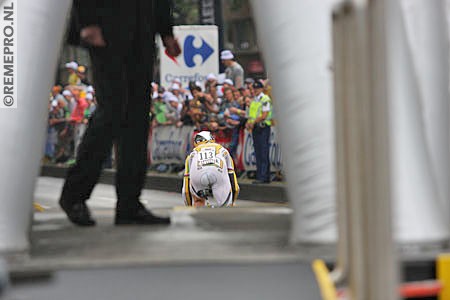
[[234, 142], [264, 156], [132, 156], [257, 147], [132, 139], [199, 202], [107, 164], [222, 190], [49, 143], [65, 139], [83, 175], [76, 138], [133, 133]]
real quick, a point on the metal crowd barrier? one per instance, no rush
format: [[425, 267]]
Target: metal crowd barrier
[[439, 287]]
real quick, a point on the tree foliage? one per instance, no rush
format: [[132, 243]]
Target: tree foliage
[[186, 12]]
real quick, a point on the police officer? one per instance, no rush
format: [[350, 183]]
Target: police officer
[[259, 121]]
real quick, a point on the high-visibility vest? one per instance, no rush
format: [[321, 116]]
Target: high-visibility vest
[[255, 109]]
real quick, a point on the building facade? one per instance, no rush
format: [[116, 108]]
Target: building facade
[[236, 33]]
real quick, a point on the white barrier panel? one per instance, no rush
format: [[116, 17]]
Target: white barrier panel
[[302, 30], [295, 37], [247, 152], [428, 39], [22, 130], [419, 217], [170, 144]]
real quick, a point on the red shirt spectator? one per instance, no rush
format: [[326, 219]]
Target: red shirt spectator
[[78, 113]]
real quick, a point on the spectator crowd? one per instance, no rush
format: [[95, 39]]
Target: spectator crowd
[[70, 107], [218, 105]]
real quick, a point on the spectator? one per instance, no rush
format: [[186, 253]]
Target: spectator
[[63, 149], [176, 90], [185, 118], [72, 68], [233, 121], [159, 111], [225, 105], [197, 108], [243, 112], [90, 99], [82, 75], [174, 108], [186, 112], [51, 130], [157, 90], [249, 82], [56, 93], [90, 89], [213, 93], [71, 103], [228, 83], [238, 97], [234, 70], [211, 80], [177, 81], [78, 119], [182, 91], [245, 92], [57, 118], [249, 85]]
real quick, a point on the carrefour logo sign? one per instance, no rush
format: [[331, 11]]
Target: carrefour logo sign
[[200, 47], [190, 51]]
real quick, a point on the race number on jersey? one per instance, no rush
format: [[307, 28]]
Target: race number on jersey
[[207, 156]]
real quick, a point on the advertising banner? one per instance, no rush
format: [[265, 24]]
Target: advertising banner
[[199, 57], [246, 152], [170, 145]]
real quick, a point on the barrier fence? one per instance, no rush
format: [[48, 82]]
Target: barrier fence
[[171, 145], [440, 286]]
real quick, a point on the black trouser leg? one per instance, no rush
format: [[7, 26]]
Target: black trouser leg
[[133, 133], [264, 154], [257, 147], [132, 160], [83, 175]]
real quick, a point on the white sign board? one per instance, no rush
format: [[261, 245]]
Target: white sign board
[[199, 57]]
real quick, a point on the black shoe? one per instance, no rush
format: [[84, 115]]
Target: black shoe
[[141, 217], [77, 213]]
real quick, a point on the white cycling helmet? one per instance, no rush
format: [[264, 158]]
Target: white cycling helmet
[[203, 137]]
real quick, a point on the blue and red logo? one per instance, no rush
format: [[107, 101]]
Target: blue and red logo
[[190, 51]]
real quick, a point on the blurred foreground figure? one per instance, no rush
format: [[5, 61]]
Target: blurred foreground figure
[[120, 37], [209, 172]]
